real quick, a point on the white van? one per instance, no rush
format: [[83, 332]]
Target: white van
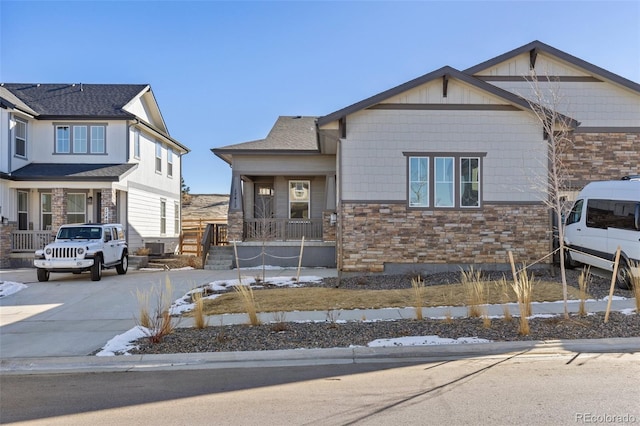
[[605, 216]]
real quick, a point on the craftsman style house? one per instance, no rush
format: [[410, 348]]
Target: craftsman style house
[[439, 172], [73, 153]]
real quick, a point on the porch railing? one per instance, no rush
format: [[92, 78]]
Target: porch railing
[[282, 229], [30, 241]]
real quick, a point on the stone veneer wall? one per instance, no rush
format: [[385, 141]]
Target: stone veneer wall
[[108, 200], [235, 226], [58, 208], [375, 234], [602, 156], [328, 230], [5, 243]]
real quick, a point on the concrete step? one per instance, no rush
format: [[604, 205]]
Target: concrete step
[[219, 258]]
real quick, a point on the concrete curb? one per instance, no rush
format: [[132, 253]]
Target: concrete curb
[[311, 357]]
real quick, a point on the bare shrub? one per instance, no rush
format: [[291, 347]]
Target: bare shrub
[[200, 320], [523, 287], [418, 295], [474, 290], [583, 284], [279, 322], [158, 319], [249, 302], [505, 298]]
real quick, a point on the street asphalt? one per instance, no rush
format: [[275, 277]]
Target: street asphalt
[[51, 327]]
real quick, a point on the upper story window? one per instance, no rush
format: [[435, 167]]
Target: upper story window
[[444, 181], [158, 157], [136, 144], [20, 138], [169, 162], [80, 139]]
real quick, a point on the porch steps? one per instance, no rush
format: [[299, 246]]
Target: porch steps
[[220, 257]]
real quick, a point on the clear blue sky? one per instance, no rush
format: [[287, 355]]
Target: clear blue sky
[[222, 72]]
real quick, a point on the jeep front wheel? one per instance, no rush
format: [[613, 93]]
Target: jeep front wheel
[[124, 264], [43, 275], [96, 269]]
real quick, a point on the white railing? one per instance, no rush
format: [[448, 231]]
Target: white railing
[[29, 241]]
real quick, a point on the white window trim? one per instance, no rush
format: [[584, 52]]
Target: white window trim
[[83, 205], [163, 216], [308, 182], [169, 162], [158, 157], [16, 138]]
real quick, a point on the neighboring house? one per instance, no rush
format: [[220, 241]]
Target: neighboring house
[[73, 153], [439, 172]]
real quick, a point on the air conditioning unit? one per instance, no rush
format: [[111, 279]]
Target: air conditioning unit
[[155, 249]]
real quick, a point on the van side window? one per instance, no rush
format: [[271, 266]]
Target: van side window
[[576, 213], [611, 214]]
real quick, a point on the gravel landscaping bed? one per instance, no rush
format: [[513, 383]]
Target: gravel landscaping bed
[[332, 334]]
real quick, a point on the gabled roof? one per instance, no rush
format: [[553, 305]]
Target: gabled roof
[[289, 134], [72, 172], [9, 100], [538, 46], [77, 100], [447, 72]]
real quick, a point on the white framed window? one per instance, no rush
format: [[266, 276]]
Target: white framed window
[[63, 138], [299, 199], [80, 139], [76, 208], [469, 182], [20, 138], [444, 185], [46, 211], [169, 162], [419, 181], [163, 216], [98, 145], [444, 181], [136, 144], [23, 210], [158, 157]]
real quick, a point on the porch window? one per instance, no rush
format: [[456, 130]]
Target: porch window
[[299, 199], [163, 217], [158, 157], [20, 137], [46, 212], [76, 208], [23, 210]]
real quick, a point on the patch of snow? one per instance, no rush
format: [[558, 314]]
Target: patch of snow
[[123, 343], [423, 341], [8, 288]]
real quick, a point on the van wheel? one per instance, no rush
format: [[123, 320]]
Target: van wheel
[[569, 263], [96, 269], [43, 275], [624, 278], [124, 264]]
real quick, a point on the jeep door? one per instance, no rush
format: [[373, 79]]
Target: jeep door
[[110, 248]]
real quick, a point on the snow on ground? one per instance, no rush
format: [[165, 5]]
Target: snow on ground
[[423, 341], [8, 288], [122, 343]]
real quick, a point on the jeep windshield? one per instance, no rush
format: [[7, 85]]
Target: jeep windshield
[[79, 233]]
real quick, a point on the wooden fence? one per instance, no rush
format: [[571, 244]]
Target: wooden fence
[[193, 230]]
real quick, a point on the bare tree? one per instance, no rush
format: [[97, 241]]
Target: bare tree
[[546, 103]]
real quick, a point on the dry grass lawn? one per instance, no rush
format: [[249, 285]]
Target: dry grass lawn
[[322, 298]]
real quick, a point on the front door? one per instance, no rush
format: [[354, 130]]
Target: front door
[[263, 201]]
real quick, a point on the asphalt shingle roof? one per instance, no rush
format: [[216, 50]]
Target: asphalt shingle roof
[[289, 133], [69, 172], [76, 100]]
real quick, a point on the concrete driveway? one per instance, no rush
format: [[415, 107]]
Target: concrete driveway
[[71, 315]]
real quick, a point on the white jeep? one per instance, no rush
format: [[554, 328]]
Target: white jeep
[[84, 247]]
